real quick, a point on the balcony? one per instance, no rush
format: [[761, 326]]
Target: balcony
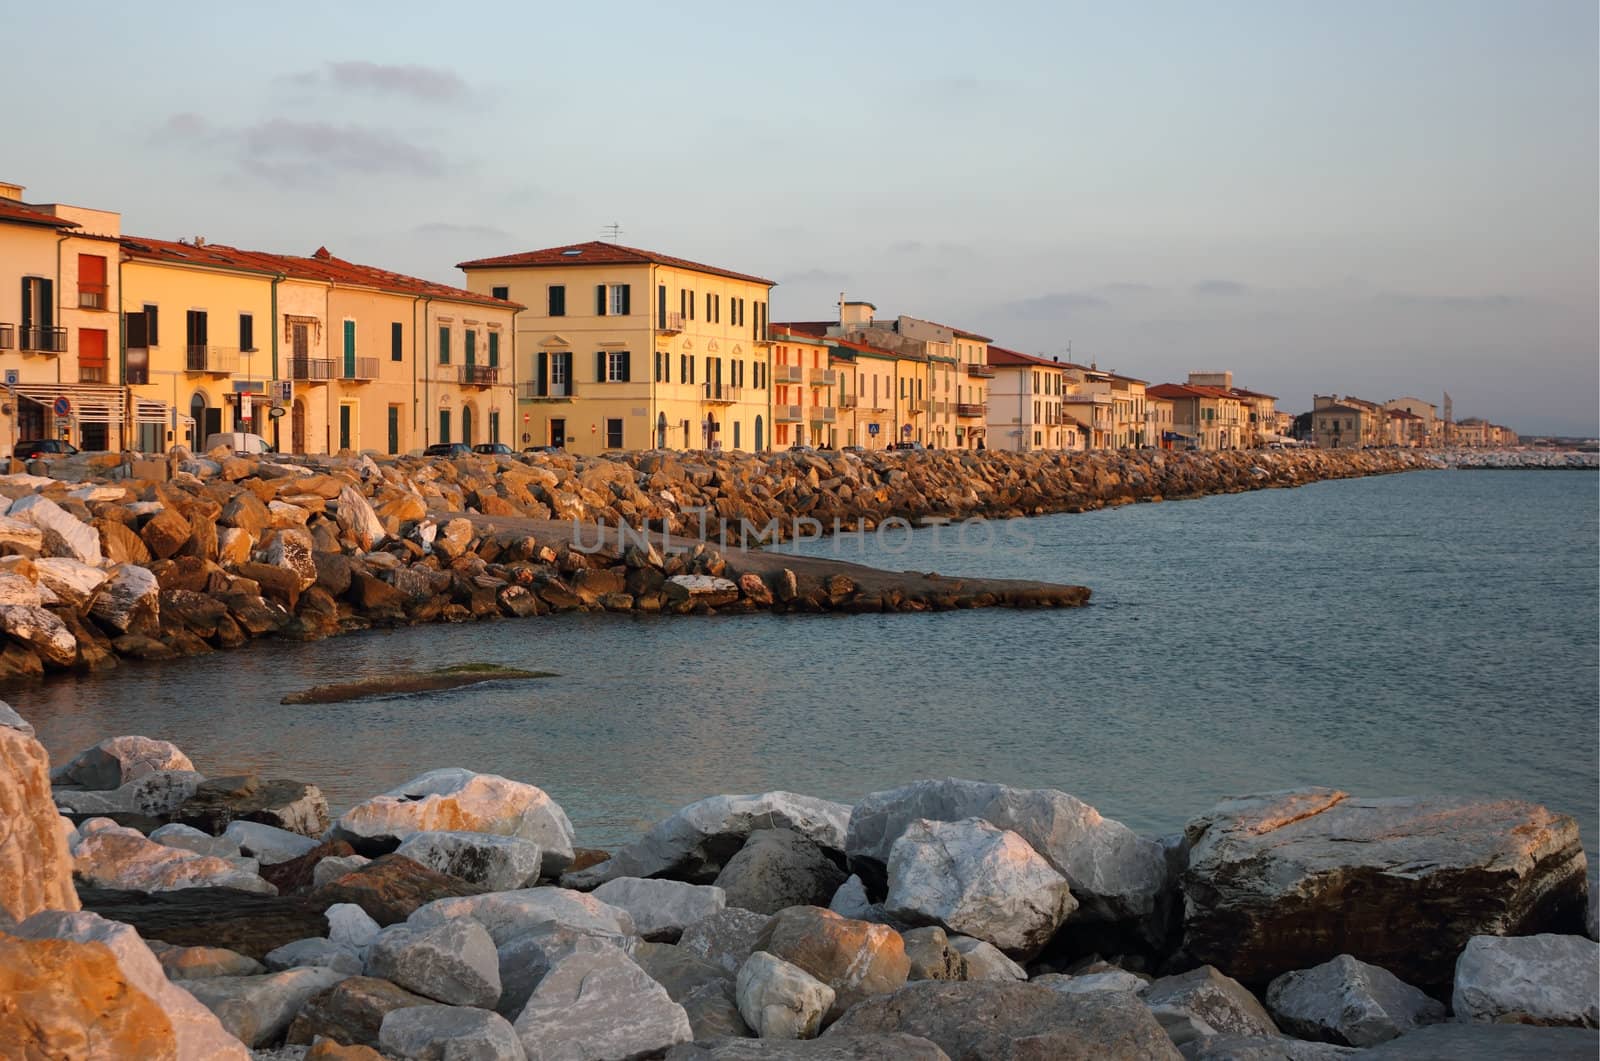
[[480, 375], [972, 409], [824, 414], [919, 405], [554, 392], [721, 393], [311, 369], [8, 336], [979, 371], [788, 374], [92, 296], [786, 414], [358, 369], [672, 325], [824, 377], [212, 360], [848, 401], [44, 341]]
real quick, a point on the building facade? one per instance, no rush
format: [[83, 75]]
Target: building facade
[[1026, 404]]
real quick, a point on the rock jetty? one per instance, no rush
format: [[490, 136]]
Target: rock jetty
[[1518, 459], [107, 557], [983, 922]]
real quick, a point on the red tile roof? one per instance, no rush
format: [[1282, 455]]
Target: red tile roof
[[850, 344], [999, 355], [320, 266], [598, 252], [1172, 391], [783, 331], [817, 328], [1243, 393], [21, 213]]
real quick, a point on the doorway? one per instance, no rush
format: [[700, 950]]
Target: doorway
[[661, 431], [558, 433], [297, 428], [760, 437], [466, 423]]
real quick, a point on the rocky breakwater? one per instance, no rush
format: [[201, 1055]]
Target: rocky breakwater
[[458, 916], [1518, 459]]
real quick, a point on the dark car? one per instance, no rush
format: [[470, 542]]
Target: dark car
[[493, 449], [448, 449], [531, 450], [43, 447], [908, 445]]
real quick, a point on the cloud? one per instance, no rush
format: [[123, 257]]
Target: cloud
[[449, 229], [425, 83], [1126, 288], [1453, 302], [283, 144], [907, 246], [186, 125], [1224, 288], [816, 276], [1054, 306]]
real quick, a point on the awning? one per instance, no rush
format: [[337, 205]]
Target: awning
[[89, 403], [150, 411], [1176, 436]]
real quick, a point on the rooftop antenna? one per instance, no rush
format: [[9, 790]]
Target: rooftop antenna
[[612, 232]]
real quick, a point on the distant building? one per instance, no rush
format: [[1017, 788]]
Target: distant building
[[1026, 409], [1203, 418], [1347, 423], [1431, 426]]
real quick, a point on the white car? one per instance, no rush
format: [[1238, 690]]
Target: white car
[[241, 442]]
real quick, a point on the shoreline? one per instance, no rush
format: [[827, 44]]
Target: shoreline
[[105, 567]]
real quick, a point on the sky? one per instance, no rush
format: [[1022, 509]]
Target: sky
[[1381, 198]]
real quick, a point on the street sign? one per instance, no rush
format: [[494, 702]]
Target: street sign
[[872, 429], [12, 377], [906, 430], [276, 411], [62, 407]]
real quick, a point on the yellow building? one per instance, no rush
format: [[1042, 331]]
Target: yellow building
[[629, 349], [1027, 407], [1258, 413], [58, 323], [356, 357], [1204, 418], [874, 416], [805, 385]]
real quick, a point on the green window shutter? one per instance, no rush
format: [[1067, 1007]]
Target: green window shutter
[[494, 349], [541, 386], [600, 366], [627, 299], [349, 350], [661, 305], [627, 367], [470, 347], [397, 335], [444, 345], [600, 300], [558, 300], [27, 303], [47, 305]]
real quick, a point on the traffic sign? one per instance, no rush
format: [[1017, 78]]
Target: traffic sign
[[872, 429], [62, 407], [13, 377]]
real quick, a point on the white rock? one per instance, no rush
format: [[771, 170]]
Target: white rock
[[156, 795], [1089, 983], [98, 492], [63, 533], [985, 961], [525, 959], [357, 521], [17, 590], [1189, 1004], [335, 866], [454, 962], [351, 926], [975, 879], [11, 720], [780, 1000], [695, 842], [130, 598], [1544, 979], [510, 914], [123, 859], [661, 909], [726, 938], [1349, 1002], [599, 1005], [314, 951], [19, 537], [72, 581], [188, 838], [851, 901], [290, 548], [267, 842], [284, 514], [499, 863], [258, 1009], [117, 760], [463, 801], [41, 630], [437, 1033], [199, 1034]]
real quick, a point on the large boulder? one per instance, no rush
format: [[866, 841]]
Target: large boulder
[[854, 958], [696, 843], [726, 938], [970, 877], [257, 1009], [124, 859], [293, 806], [198, 963], [129, 602], [1545, 979], [42, 630], [779, 1000], [63, 534], [1115, 874], [358, 524], [499, 863], [74, 583], [248, 922], [833, 1048], [1203, 1002], [931, 956], [454, 963], [350, 1012], [599, 1004], [390, 889], [525, 959], [116, 761], [1452, 1041], [1267, 1048], [990, 1020], [151, 796], [315, 951], [1289, 880], [426, 1033], [778, 868], [1349, 1002], [460, 801], [982, 960], [661, 909], [269, 843], [35, 865], [510, 914], [77, 985]]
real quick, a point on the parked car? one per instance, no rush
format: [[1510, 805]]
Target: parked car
[[448, 449], [43, 447], [529, 450], [908, 445], [854, 449], [493, 449], [241, 442]]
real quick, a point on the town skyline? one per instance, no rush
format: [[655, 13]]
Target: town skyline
[[1426, 225]]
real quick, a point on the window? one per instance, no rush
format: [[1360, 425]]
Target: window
[[247, 332], [611, 366], [196, 333], [494, 425], [611, 300], [494, 349], [92, 289], [299, 340], [614, 433], [619, 299], [92, 365], [561, 372], [471, 346], [691, 305], [444, 351], [501, 292], [444, 425], [397, 334], [151, 314], [683, 368], [558, 300], [661, 305]]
